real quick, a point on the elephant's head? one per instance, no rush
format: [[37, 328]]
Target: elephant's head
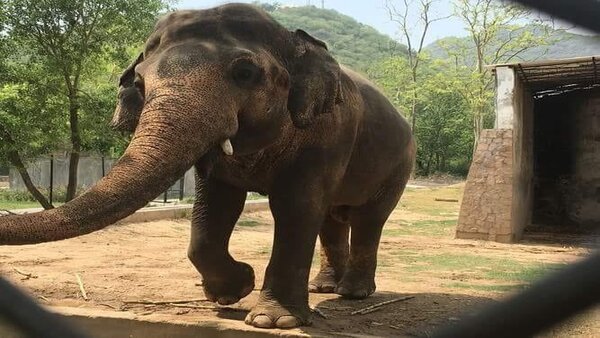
[[226, 78]]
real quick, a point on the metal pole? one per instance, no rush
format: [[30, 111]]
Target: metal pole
[[50, 194], [165, 196], [547, 302], [103, 172], [30, 318], [584, 13], [181, 186]]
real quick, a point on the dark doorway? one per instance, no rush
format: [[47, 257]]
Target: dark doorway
[[567, 159]]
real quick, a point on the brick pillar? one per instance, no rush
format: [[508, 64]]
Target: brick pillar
[[486, 207]]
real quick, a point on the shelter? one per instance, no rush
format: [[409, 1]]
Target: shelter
[[540, 165]]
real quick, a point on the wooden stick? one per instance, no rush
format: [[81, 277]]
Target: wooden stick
[[110, 306], [81, 288], [319, 313], [377, 306], [192, 306], [26, 274], [446, 200], [161, 302]]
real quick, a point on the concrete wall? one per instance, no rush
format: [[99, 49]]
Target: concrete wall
[[522, 195], [90, 171], [506, 83], [486, 207], [584, 205]]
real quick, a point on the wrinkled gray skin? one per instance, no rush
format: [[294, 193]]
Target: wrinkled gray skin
[[325, 145]]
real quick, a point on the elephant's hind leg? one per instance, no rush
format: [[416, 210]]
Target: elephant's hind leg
[[216, 210], [334, 255], [366, 223]]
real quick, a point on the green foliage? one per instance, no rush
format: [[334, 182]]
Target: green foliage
[[444, 127], [8, 195], [352, 43], [58, 62]]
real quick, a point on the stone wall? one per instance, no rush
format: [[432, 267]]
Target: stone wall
[[486, 208]]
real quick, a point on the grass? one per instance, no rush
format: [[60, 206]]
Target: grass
[[485, 287], [246, 222], [423, 200], [13, 205], [485, 273], [424, 227]]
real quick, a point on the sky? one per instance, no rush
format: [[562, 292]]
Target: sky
[[370, 12], [374, 13]]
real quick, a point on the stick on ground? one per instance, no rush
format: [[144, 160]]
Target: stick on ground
[[209, 307], [377, 306], [320, 313], [81, 288], [162, 302], [26, 274], [446, 200]]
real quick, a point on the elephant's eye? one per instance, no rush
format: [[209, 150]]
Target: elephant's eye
[[245, 73]]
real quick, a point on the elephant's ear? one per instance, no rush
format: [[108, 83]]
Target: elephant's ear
[[130, 100], [315, 80]]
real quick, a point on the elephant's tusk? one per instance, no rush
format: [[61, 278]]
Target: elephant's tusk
[[227, 147]]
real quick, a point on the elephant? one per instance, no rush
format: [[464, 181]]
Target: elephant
[[252, 106]]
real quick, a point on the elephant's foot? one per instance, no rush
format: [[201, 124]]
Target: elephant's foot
[[269, 313], [231, 285], [324, 282], [355, 286]]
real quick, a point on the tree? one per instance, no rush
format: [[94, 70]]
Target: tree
[[27, 119], [498, 35], [71, 35], [443, 127], [414, 37]]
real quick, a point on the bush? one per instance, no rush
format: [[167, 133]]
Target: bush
[[58, 195]]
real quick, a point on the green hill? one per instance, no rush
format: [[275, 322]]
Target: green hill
[[566, 45], [354, 44]]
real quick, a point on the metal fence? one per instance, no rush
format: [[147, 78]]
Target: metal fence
[[51, 175]]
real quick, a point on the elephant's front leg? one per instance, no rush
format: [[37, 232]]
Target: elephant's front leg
[[217, 208], [298, 207]]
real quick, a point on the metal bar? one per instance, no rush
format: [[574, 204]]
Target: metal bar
[[584, 13], [545, 303], [103, 168], [595, 70], [51, 188], [25, 314], [181, 186]]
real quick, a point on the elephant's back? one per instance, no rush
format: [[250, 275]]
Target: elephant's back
[[384, 143]]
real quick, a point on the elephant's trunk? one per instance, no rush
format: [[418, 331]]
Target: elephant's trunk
[[165, 145]]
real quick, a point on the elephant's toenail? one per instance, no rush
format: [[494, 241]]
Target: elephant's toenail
[[287, 322], [262, 321]]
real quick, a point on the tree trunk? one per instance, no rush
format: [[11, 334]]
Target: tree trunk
[[76, 146], [16, 161]]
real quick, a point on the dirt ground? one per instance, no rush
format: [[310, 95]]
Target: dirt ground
[[419, 257]]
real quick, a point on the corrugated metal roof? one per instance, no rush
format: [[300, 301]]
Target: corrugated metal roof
[[552, 77]]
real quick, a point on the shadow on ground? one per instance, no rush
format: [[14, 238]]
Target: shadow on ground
[[418, 316]]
